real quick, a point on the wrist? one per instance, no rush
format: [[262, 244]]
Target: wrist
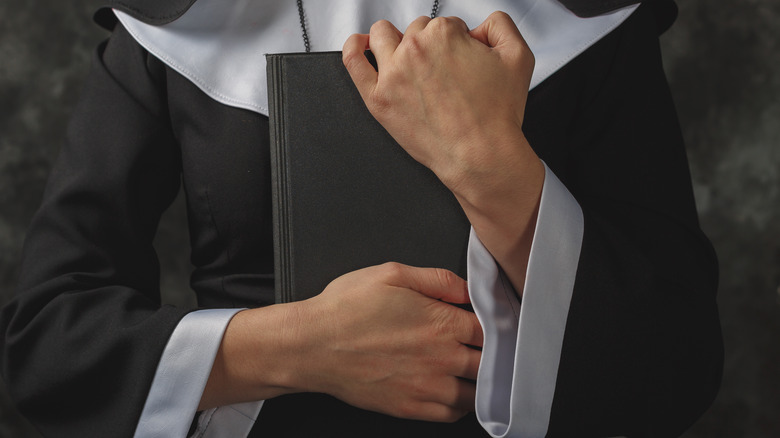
[[308, 334], [503, 182], [489, 165], [301, 335], [258, 358], [503, 206]]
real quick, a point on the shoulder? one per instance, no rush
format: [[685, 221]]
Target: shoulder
[[148, 11]]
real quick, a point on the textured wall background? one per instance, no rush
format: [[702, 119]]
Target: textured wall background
[[722, 60]]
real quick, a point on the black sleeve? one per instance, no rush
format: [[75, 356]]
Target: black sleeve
[[642, 353], [82, 338]]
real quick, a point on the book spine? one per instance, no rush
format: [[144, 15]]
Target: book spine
[[281, 226]]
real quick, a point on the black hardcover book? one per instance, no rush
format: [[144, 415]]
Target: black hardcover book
[[345, 194]]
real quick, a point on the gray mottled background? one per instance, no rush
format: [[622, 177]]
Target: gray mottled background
[[721, 58]]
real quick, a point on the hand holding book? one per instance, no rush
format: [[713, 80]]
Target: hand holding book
[[400, 348], [404, 352], [454, 99]]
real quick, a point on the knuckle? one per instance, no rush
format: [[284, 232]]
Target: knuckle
[[522, 58], [458, 24], [500, 17], [444, 322], [350, 58], [530, 59], [380, 26], [438, 22], [418, 387], [379, 103], [446, 278], [415, 47], [443, 22], [392, 270], [444, 25]]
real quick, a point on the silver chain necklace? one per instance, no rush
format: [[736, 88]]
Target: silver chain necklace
[[302, 16]]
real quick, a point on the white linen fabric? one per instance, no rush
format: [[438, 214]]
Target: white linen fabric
[[182, 373], [222, 49], [234, 421], [522, 349]]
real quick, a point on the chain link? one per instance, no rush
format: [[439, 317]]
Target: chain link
[[302, 16], [305, 34]]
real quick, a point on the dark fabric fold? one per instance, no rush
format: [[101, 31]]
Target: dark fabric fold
[[79, 345], [148, 11], [592, 8]]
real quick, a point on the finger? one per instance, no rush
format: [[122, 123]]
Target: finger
[[469, 329], [384, 39], [442, 27], [455, 397], [417, 25], [466, 395], [466, 363], [497, 30], [457, 21], [439, 284], [435, 412], [360, 70]]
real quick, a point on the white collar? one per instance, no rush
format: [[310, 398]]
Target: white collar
[[222, 49]]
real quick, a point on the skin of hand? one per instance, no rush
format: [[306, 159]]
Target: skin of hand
[[454, 99], [383, 338]]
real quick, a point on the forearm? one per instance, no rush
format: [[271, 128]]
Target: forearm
[[257, 357], [502, 206]]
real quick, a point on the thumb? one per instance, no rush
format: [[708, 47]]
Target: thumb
[[439, 284], [497, 31]]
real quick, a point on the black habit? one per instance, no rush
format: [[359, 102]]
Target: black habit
[[642, 352]]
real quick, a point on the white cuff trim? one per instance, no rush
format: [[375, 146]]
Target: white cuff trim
[[234, 421], [526, 349], [182, 374]]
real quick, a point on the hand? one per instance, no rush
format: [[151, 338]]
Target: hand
[[382, 338], [388, 341], [455, 99]]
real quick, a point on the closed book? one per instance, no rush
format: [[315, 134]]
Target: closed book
[[345, 194]]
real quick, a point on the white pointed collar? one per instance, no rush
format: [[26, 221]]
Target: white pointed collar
[[222, 49]]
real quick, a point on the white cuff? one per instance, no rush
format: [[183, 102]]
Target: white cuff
[[182, 374], [234, 421], [522, 349]]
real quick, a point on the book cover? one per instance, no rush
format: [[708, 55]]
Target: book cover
[[345, 194]]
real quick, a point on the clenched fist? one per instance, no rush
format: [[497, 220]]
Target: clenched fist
[[454, 99]]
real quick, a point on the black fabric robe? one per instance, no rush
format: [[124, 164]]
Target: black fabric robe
[[642, 352]]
